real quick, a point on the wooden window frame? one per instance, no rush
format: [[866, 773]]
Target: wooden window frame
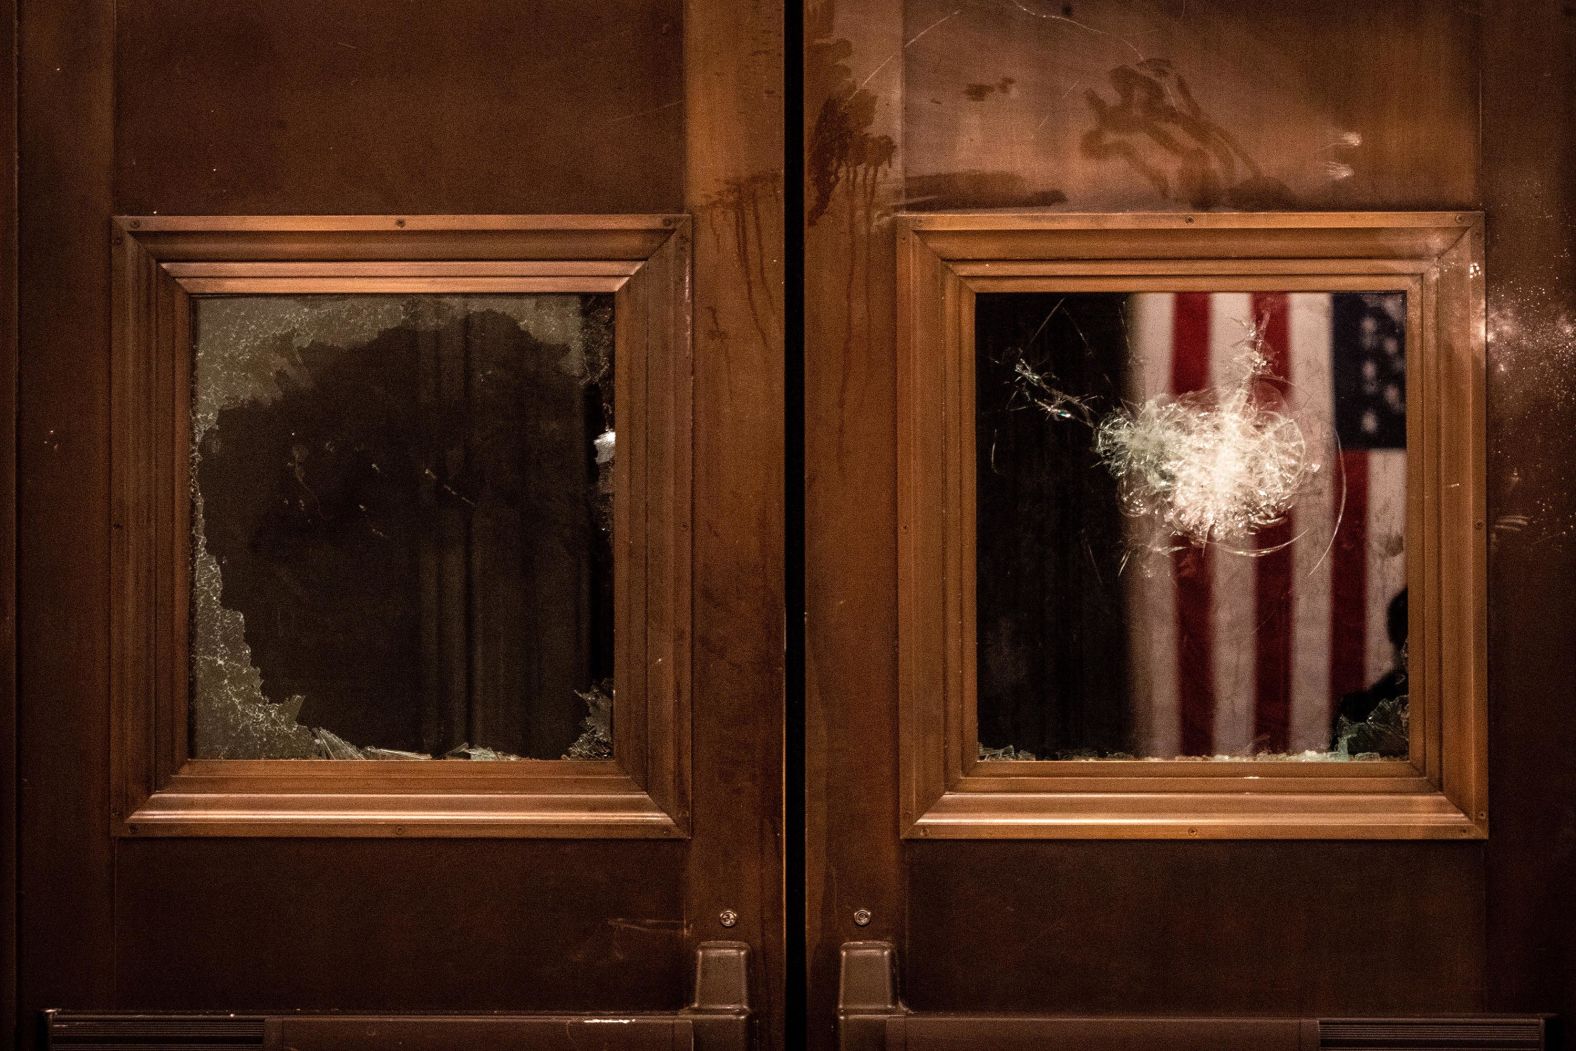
[[160, 263], [1439, 791]]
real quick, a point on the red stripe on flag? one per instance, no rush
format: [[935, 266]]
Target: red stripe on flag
[[1349, 582], [1273, 609], [1191, 566]]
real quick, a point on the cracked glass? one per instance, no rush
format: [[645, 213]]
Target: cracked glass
[[1190, 525], [401, 516]]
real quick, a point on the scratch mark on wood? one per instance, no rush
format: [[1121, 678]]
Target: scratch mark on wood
[[1047, 16], [908, 44]]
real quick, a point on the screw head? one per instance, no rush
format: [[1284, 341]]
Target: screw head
[[728, 918], [862, 917]]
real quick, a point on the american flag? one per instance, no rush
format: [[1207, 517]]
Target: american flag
[[1234, 653]]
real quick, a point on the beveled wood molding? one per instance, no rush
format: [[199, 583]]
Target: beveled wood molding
[[872, 1017], [1440, 790], [159, 263]]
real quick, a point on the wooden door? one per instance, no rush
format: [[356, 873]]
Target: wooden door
[[629, 151], [1004, 116]]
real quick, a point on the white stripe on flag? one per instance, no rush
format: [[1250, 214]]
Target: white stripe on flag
[[1313, 393], [1232, 590], [1151, 591], [1386, 557]]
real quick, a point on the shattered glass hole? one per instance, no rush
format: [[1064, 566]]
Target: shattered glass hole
[[1191, 521], [401, 527]]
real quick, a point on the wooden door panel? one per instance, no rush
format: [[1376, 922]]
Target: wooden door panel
[[978, 87], [357, 107], [913, 105], [1175, 928], [1529, 96], [519, 924]]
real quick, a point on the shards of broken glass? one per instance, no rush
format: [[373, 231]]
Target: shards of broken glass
[[1038, 389], [1386, 732], [606, 446], [329, 745], [596, 729], [250, 350], [1005, 754], [1082, 755], [1212, 466], [374, 752], [605, 443], [477, 752], [332, 746]]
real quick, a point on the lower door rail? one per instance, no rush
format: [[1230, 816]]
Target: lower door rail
[[871, 1017], [718, 1019]]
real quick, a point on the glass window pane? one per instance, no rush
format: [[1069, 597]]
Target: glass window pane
[[401, 516], [1191, 521]]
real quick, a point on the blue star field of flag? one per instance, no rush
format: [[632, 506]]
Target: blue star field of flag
[[1368, 368]]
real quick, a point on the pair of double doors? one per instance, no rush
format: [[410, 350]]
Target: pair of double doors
[[403, 535]]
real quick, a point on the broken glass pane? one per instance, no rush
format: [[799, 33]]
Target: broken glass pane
[[401, 518], [1191, 521]]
